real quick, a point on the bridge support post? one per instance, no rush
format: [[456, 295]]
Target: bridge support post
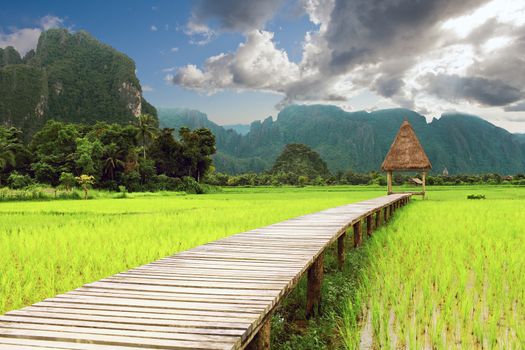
[[378, 218], [341, 251], [358, 236], [385, 215], [313, 291], [369, 225], [261, 341]]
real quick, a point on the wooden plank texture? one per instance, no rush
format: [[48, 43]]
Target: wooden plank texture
[[216, 296]]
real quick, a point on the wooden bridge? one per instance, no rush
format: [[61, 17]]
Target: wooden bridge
[[217, 296]]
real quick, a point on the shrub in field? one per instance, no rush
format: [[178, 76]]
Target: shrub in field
[[131, 181], [18, 181], [476, 196], [166, 183], [302, 181], [67, 181], [189, 185]]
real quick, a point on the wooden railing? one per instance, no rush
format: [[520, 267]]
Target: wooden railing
[[217, 296]]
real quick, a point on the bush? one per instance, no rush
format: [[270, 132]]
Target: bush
[[302, 181], [67, 180], [166, 183], [476, 196], [131, 181], [17, 181], [189, 185]]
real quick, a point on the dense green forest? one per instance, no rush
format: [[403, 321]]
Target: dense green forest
[[359, 140], [70, 77], [134, 157]]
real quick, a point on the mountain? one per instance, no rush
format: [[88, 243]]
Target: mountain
[[242, 129], [360, 140], [520, 138], [70, 77]]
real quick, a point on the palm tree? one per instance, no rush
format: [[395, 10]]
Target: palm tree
[[112, 161], [147, 129]]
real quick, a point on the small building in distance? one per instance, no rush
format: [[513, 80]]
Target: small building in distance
[[415, 181], [406, 154], [445, 172]]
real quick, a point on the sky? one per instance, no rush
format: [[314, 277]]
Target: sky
[[243, 60]]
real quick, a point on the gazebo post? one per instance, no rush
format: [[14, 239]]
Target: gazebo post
[[423, 179], [389, 181]]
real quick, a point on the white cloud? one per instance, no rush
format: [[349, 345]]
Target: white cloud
[[49, 22], [147, 88], [257, 64], [153, 28], [169, 69], [174, 49], [200, 34], [25, 39], [389, 49]]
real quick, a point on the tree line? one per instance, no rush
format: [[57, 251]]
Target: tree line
[[142, 157], [351, 178], [132, 157]]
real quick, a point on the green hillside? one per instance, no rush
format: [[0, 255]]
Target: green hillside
[[360, 140], [70, 77]]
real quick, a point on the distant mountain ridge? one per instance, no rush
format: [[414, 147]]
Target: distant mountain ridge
[[360, 140], [242, 129], [70, 77]]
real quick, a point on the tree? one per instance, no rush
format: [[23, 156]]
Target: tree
[[167, 154], [87, 155], [197, 147], [54, 150], [67, 180], [300, 160], [85, 181], [7, 154], [146, 129]]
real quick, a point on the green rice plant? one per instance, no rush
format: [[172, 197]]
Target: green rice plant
[[50, 247], [447, 273]]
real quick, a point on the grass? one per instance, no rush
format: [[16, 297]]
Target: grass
[[49, 247], [445, 273]]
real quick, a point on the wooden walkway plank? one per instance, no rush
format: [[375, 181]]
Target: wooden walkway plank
[[216, 296]]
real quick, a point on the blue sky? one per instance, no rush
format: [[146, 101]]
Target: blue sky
[[242, 60], [128, 27]]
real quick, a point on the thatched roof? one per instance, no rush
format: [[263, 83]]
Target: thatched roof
[[406, 152]]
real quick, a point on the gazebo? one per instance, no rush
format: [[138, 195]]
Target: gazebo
[[406, 154]]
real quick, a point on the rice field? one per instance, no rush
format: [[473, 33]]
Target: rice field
[[446, 273], [50, 247]]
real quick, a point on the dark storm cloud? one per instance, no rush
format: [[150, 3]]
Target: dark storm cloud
[[517, 107], [362, 31], [389, 87], [488, 92], [376, 45], [236, 15]]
